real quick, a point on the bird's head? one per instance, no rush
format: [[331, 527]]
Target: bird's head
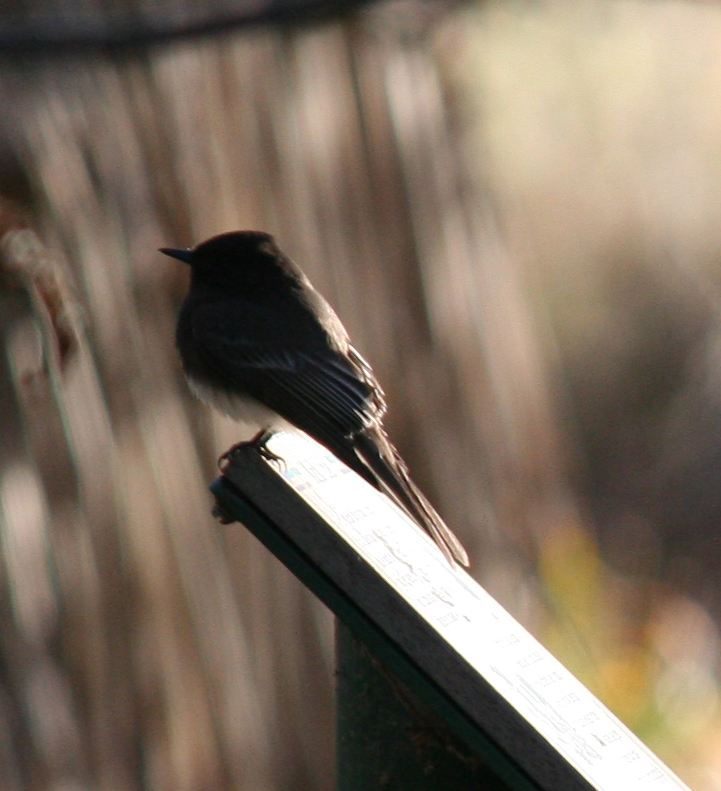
[[226, 247], [250, 260]]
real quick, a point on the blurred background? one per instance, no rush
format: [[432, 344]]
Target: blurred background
[[516, 209]]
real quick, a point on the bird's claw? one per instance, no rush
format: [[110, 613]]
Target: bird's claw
[[259, 443]]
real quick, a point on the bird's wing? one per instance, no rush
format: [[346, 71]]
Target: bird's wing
[[311, 384], [332, 396], [365, 372]]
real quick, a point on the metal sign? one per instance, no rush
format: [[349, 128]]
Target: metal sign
[[457, 643]]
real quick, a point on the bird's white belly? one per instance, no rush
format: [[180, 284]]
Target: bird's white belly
[[244, 409]]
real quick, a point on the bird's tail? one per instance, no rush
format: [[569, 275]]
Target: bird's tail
[[378, 454]]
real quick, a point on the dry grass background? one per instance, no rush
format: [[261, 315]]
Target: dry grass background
[[514, 208]]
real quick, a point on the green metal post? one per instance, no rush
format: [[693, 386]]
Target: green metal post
[[388, 739]]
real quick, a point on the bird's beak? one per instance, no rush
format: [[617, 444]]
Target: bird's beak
[[181, 255]]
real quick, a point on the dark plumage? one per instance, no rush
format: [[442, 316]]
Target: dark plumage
[[260, 343]]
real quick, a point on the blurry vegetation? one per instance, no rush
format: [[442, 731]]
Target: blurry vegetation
[[599, 128], [515, 207]]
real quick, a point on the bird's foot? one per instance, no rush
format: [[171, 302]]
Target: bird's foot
[[259, 443]]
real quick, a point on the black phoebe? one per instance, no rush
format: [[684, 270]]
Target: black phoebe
[[258, 342]]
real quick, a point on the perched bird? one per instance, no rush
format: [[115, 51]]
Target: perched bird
[[258, 342]]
